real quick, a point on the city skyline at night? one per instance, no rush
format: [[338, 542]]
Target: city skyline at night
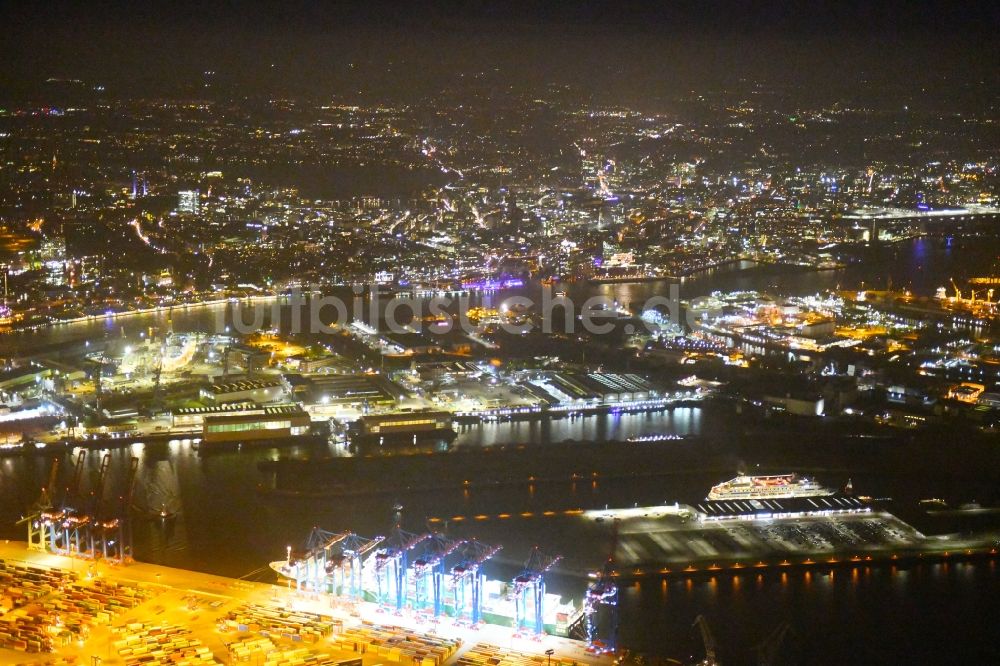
[[497, 334]]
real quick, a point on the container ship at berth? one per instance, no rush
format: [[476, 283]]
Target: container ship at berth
[[768, 487], [498, 597]]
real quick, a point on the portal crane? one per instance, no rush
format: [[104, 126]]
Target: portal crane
[[530, 584], [467, 578], [391, 564], [125, 531], [58, 520], [44, 503], [603, 592], [352, 554], [89, 521], [328, 555], [428, 571], [111, 531], [310, 566]]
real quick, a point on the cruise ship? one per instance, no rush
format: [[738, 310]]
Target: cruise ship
[[767, 487]]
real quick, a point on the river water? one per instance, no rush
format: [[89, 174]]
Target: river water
[[927, 613]]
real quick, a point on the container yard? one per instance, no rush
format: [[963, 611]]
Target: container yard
[[57, 610]]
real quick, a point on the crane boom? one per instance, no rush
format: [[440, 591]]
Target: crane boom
[[958, 292], [45, 499], [767, 650], [130, 484], [74, 486], [707, 639], [98, 492]]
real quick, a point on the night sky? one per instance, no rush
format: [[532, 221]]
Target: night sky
[[622, 48]]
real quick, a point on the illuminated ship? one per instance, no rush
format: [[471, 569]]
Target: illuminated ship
[[499, 602], [658, 437], [767, 487]]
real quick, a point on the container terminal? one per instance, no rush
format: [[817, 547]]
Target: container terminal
[[59, 610], [74, 591]]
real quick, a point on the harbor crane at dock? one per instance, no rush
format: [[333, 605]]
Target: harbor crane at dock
[[529, 586], [391, 565], [310, 567], [96, 499], [60, 522], [331, 562], [429, 571], [44, 503], [467, 578], [111, 529], [603, 594]]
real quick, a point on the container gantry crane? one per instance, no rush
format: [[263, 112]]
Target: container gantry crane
[[89, 521], [111, 531], [467, 578], [310, 566], [324, 565], [429, 571], [391, 565], [44, 503], [530, 585], [57, 521], [603, 594], [352, 552]]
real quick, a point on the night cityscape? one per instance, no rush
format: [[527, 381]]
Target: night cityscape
[[499, 334]]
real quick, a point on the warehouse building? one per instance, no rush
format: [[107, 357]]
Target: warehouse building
[[259, 391], [272, 422]]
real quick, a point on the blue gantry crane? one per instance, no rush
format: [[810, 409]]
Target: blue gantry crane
[[347, 561], [429, 571], [467, 578], [308, 567], [529, 586], [391, 565], [602, 595]]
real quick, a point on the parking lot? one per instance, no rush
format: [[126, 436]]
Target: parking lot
[[676, 539]]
